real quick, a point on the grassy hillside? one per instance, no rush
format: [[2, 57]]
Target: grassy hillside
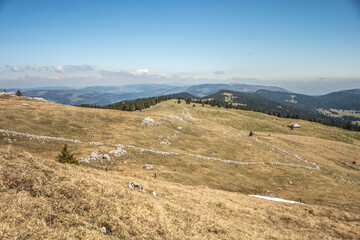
[[291, 109], [204, 167]]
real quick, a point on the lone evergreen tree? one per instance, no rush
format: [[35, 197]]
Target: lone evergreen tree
[[66, 156], [18, 93], [4, 90], [251, 134]]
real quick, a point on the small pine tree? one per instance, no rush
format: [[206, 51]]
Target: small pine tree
[[179, 101], [292, 127], [66, 156], [193, 105], [251, 134], [18, 93], [4, 90]]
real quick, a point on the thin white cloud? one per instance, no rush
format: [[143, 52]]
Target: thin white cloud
[[14, 68], [59, 69], [140, 74], [32, 68], [74, 68], [147, 73]]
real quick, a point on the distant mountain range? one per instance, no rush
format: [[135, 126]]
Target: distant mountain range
[[206, 89], [252, 95], [104, 95]]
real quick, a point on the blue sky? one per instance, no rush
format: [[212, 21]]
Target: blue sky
[[306, 46]]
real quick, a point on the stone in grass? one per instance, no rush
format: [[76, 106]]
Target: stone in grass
[[147, 167], [133, 185]]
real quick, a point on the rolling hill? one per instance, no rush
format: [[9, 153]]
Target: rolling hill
[[205, 173]]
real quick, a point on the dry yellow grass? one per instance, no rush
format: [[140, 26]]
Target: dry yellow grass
[[196, 198]]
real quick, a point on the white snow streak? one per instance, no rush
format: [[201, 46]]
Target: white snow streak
[[274, 199]]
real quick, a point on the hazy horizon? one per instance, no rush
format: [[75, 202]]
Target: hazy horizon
[[309, 47]]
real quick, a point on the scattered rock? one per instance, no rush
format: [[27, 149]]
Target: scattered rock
[[147, 167], [351, 166], [165, 141], [179, 128], [290, 182], [103, 229], [270, 194], [94, 156], [154, 193], [103, 158], [118, 152], [24, 104], [133, 185], [38, 99], [31, 136], [7, 94], [149, 121]]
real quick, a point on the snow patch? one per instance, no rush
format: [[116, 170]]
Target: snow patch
[[275, 199]]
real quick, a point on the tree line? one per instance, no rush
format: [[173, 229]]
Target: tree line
[[133, 105], [256, 104], [283, 113]]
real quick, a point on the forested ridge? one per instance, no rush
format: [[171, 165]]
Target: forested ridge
[[239, 100]]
